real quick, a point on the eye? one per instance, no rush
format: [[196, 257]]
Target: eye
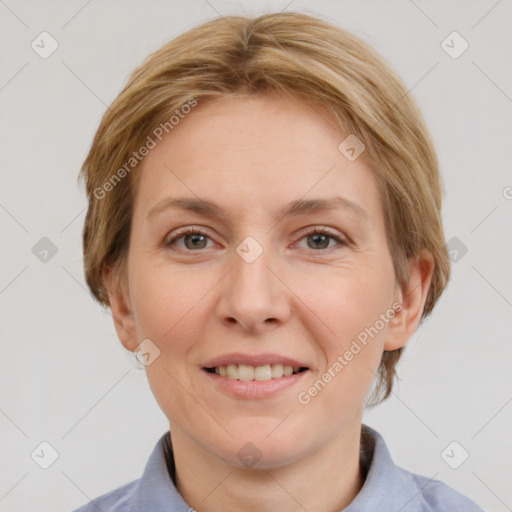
[[193, 238], [320, 238]]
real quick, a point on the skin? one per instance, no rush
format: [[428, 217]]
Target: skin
[[303, 297]]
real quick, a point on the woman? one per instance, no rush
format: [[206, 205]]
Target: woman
[[264, 223]]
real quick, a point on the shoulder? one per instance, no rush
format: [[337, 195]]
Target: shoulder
[[112, 501], [154, 491], [439, 496], [391, 487]]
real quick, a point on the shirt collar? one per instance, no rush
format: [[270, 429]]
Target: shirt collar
[[386, 487]]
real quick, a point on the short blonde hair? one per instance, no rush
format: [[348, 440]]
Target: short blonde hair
[[299, 57]]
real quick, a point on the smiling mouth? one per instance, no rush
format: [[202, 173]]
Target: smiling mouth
[[247, 373]]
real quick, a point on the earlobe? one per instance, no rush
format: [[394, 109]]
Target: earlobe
[[412, 300], [120, 306]]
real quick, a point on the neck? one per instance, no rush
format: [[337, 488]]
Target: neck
[[326, 480]]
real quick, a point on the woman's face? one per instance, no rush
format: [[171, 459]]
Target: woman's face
[[251, 285]]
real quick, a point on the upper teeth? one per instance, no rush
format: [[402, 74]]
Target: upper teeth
[[246, 372]]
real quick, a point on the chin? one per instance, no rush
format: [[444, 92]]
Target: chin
[[259, 450], [256, 457]]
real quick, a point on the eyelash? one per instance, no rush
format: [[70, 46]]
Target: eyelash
[[314, 231]]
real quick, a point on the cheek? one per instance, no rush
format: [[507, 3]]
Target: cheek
[[349, 302], [350, 332], [165, 299], [169, 311]]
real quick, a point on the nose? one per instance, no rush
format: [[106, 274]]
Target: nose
[[254, 296]]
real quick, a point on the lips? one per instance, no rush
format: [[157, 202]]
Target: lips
[[260, 367], [253, 360], [254, 377]]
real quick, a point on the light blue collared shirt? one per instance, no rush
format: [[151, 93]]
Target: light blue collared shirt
[[387, 488]]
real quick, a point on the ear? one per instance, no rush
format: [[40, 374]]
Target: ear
[[412, 299], [115, 280]]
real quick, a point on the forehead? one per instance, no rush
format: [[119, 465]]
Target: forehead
[[244, 151], [264, 131]]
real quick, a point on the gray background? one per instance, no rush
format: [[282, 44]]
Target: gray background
[[66, 379]]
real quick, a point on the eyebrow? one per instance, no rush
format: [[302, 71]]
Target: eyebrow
[[295, 208]]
